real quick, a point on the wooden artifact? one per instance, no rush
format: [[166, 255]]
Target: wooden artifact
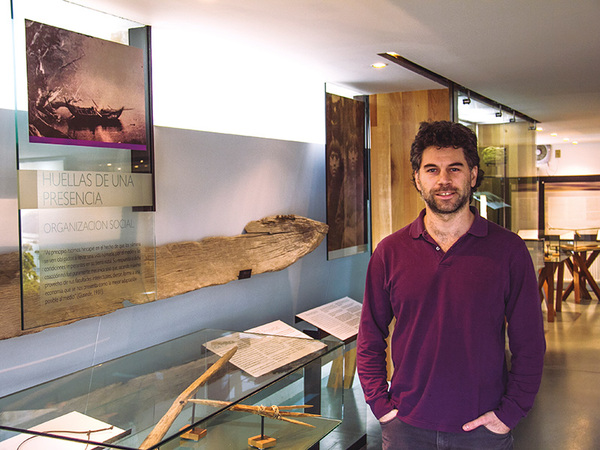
[[272, 412], [167, 420], [269, 244]]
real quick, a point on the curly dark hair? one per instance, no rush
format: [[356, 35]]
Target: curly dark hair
[[445, 134]]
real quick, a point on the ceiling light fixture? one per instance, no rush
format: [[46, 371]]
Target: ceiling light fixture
[[420, 70], [378, 65], [514, 118], [467, 101], [499, 113]]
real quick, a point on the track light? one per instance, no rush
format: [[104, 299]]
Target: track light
[[499, 113], [467, 101], [513, 119]]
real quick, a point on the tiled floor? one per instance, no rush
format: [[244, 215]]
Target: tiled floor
[[566, 414]]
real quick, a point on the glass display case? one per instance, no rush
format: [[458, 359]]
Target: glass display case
[[570, 205], [273, 388]]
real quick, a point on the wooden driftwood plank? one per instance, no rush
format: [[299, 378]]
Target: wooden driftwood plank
[[267, 245]]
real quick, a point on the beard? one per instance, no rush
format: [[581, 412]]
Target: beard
[[440, 207]]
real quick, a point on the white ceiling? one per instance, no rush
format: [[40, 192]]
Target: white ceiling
[[540, 57]]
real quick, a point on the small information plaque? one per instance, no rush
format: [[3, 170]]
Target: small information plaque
[[260, 355], [72, 425], [339, 318]]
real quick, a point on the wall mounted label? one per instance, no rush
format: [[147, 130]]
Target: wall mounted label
[[81, 262], [41, 189]]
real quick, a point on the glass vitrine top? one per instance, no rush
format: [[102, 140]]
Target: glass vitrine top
[[119, 403]]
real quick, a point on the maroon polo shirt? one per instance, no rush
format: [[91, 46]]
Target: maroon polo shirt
[[448, 344]]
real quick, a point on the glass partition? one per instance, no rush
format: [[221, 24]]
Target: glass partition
[[85, 161], [508, 195]]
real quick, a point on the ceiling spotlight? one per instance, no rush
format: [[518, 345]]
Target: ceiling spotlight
[[378, 65], [467, 101], [575, 142], [513, 118], [499, 113]]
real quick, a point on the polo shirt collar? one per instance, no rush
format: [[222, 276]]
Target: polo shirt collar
[[479, 227]]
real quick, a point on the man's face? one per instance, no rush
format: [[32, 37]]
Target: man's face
[[445, 180]]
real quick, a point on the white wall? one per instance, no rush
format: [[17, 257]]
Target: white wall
[[575, 159], [205, 79]]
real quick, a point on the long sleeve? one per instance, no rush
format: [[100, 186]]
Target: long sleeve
[[375, 318], [526, 341], [448, 345]]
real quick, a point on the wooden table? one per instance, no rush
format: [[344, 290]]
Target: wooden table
[[553, 297], [582, 256]]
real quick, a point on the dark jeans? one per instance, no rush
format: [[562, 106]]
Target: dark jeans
[[399, 435]]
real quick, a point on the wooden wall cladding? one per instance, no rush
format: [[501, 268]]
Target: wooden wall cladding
[[395, 120]]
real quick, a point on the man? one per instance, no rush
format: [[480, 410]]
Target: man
[[455, 283]]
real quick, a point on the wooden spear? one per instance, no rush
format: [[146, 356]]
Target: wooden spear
[[272, 412], [167, 420]]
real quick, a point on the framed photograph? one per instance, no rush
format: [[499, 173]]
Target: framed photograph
[[346, 176], [84, 90]]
